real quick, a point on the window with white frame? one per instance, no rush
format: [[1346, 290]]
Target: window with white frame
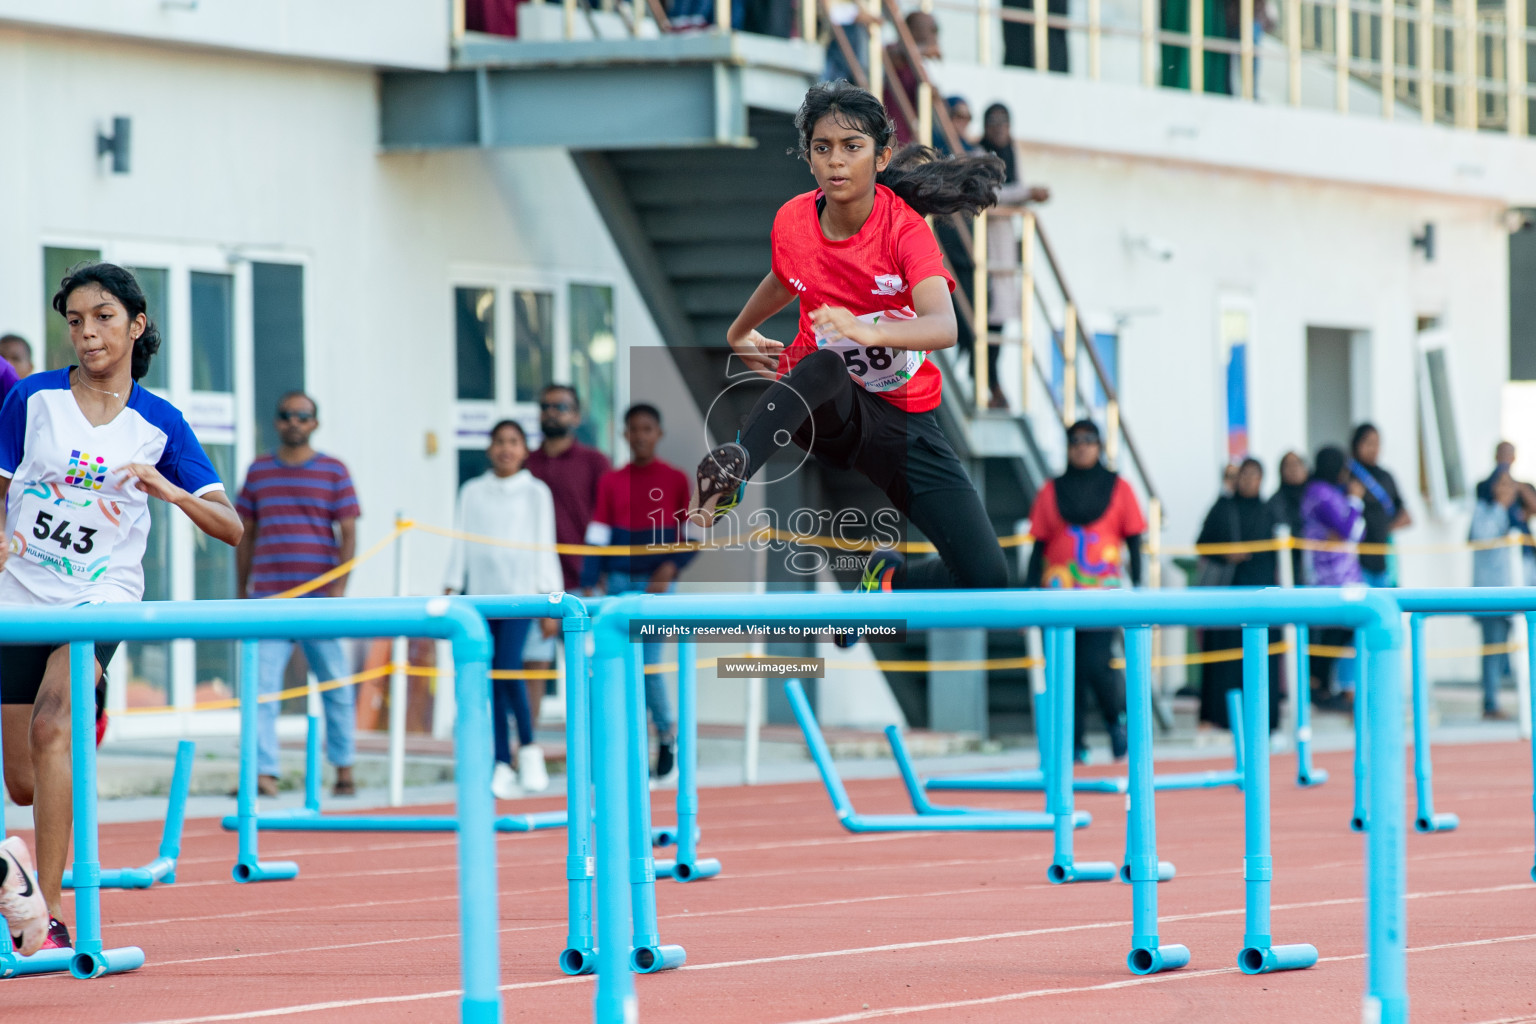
[[517, 331]]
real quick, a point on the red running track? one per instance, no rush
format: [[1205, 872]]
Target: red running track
[[810, 924]]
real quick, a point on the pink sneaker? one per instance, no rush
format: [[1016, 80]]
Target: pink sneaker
[[26, 915], [58, 935]]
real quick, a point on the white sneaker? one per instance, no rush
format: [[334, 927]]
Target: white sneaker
[[21, 904], [504, 783], [531, 773]]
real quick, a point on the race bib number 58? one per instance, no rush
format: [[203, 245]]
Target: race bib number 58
[[67, 535], [875, 368]]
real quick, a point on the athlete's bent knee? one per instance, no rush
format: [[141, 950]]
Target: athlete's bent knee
[[50, 729]]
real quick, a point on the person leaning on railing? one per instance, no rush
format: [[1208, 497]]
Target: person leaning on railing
[[1242, 517], [1492, 519], [82, 450]]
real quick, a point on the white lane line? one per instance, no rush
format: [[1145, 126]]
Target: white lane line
[[902, 1011], [343, 1004]]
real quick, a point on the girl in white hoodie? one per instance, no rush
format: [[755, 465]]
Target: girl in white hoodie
[[508, 503]]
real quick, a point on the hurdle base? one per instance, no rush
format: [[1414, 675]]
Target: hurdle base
[[1032, 781], [106, 961], [577, 961], [1088, 871], [1165, 872], [1315, 777], [651, 959], [44, 961], [1156, 960], [1444, 822], [688, 871], [1268, 959], [161, 869], [265, 871], [1357, 823], [530, 822], [307, 821]]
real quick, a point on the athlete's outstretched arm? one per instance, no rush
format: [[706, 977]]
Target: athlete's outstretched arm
[[211, 512], [933, 329], [757, 352]]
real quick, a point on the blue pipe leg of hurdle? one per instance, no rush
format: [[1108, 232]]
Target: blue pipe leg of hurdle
[[1425, 820], [1359, 819], [44, 961], [1129, 869], [1530, 649], [688, 866], [312, 761], [1142, 868], [1259, 954], [1037, 821], [1306, 775], [163, 867], [580, 953], [90, 959], [1060, 687], [614, 1000], [248, 865], [1386, 845], [647, 955]]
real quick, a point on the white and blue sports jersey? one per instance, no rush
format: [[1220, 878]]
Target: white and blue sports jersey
[[77, 529]]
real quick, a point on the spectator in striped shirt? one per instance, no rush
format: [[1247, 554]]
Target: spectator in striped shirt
[[300, 516]]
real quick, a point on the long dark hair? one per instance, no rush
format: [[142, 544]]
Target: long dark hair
[[925, 181], [124, 287], [1329, 464]]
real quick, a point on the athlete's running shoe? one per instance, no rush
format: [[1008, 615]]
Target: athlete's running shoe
[[878, 575], [722, 483], [504, 782], [58, 935], [21, 904]]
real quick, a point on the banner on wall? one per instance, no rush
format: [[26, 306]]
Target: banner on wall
[[1234, 344]]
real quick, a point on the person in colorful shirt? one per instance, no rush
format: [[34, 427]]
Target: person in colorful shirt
[[643, 504], [1080, 522], [300, 514], [82, 450]]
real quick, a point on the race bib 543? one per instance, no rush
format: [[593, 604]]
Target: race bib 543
[[71, 536]]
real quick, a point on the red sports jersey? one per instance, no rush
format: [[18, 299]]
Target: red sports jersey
[[1085, 556], [871, 275]]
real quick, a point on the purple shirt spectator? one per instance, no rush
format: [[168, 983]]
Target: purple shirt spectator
[[1328, 514], [295, 509], [572, 478], [8, 379]]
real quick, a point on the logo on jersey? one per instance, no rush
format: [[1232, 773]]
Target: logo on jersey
[[85, 471], [888, 284], [797, 284]]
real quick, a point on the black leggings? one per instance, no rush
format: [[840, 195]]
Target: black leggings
[[904, 454]]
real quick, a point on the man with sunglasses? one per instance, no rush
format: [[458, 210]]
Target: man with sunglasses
[[571, 470], [300, 514]]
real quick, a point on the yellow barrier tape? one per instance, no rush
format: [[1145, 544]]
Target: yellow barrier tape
[[344, 568]]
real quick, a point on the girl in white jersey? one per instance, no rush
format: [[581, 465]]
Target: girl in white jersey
[[82, 450]]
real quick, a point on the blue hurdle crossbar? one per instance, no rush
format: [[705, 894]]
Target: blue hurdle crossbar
[[163, 867], [1374, 612], [249, 621]]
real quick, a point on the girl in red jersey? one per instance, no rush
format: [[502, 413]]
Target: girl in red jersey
[[874, 302]]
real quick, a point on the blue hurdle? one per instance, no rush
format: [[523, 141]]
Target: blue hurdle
[[45, 961], [957, 819], [688, 866], [1306, 775], [163, 867], [1478, 601], [1372, 611], [250, 621]]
